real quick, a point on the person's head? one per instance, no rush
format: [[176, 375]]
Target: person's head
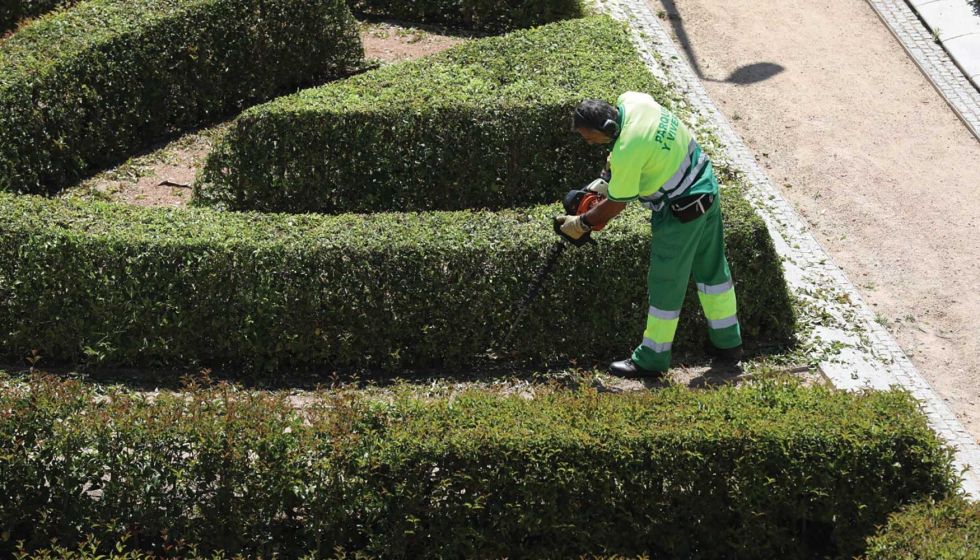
[[597, 121]]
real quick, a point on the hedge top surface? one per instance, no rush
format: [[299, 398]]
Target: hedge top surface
[[41, 43], [949, 529], [769, 405], [399, 231], [133, 224], [554, 64], [728, 412]]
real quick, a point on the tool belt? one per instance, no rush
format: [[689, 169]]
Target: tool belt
[[689, 208]]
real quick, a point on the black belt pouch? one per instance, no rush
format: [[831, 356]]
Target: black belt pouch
[[690, 208]]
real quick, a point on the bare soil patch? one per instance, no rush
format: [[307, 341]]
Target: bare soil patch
[[390, 42], [161, 177], [869, 154]]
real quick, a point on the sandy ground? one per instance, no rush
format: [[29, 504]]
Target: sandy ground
[[870, 156], [163, 176]]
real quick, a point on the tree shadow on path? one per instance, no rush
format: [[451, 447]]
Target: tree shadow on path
[[744, 75]]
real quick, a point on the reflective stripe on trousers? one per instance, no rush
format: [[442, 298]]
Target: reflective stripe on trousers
[[718, 303], [661, 326]]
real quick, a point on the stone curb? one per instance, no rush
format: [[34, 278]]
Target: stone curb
[[956, 23], [854, 351], [934, 62]]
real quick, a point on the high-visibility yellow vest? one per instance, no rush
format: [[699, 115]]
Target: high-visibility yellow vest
[[655, 159]]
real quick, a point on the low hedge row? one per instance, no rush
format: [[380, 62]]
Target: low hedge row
[[12, 12], [949, 530], [482, 125], [88, 86], [771, 470], [479, 15], [116, 285]]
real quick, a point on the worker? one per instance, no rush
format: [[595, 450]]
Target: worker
[[655, 159]]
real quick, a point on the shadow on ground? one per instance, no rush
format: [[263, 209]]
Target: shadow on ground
[[696, 372], [744, 75]]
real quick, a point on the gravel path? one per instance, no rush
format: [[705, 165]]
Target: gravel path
[[868, 153]]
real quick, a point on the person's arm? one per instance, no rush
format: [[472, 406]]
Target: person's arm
[[624, 186], [601, 213]]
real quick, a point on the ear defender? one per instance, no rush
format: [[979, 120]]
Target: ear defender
[[615, 127], [605, 126]]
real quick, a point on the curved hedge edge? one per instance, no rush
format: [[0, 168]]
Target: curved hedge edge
[[111, 285], [15, 13], [467, 473], [484, 124], [84, 88], [948, 529], [478, 15]]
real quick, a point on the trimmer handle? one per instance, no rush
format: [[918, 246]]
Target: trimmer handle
[[577, 203]]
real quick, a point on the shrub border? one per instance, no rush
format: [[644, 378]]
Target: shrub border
[[85, 87], [469, 473]]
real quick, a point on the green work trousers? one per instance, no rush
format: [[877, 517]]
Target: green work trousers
[[676, 251]]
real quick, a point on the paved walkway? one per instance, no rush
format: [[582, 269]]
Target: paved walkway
[[859, 350], [957, 22], [956, 25]]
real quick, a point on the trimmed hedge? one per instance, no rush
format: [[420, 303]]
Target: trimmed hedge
[[949, 530], [87, 87], [482, 125], [125, 286], [769, 470], [115, 285], [12, 12], [481, 15]]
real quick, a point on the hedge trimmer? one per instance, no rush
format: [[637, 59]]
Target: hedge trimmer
[[576, 203]]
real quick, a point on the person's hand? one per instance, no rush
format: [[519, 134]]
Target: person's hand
[[572, 226], [600, 187]]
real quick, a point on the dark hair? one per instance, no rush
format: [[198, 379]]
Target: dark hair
[[596, 114]]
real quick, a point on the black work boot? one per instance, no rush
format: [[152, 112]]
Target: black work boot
[[628, 368], [726, 354]]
